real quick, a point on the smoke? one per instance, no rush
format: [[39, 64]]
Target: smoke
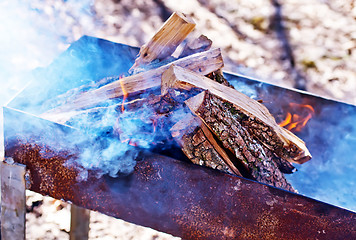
[[45, 55], [34, 35]]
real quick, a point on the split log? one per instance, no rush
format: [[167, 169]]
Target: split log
[[199, 145], [77, 118], [204, 63], [197, 45], [166, 40], [215, 112], [251, 114]]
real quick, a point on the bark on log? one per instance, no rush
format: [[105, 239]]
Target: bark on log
[[165, 41], [199, 145], [204, 63], [218, 77], [216, 113], [251, 114]]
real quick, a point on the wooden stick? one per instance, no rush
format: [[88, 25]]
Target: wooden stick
[[13, 200], [203, 63], [265, 129], [166, 40], [79, 223]]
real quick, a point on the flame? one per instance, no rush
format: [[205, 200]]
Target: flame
[[125, 94], [298, 117], [125, 135], [130, 142], [154, 121]]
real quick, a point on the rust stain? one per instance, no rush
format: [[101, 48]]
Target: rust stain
[[185, 200], [50, 169], [148, 172]]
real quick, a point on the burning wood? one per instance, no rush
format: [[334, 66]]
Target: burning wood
[[218, 126], [204, 63], [254, 116]]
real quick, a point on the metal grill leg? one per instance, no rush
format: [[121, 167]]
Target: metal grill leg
[[13, 200], [79, 224]]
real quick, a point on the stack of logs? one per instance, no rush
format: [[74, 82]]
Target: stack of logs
[[221, 128]]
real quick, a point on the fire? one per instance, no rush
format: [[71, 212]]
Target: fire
[[125, 94], [298, 117], [129, 136], [154, 121], [130, 142]]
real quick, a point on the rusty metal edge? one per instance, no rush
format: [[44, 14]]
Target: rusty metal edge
[[168, 195]]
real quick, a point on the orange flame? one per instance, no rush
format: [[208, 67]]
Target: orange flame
[[296, 121], [130, 142], [125, 94], [154, 121]]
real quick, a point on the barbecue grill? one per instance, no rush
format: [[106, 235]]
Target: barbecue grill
[[168, 194]]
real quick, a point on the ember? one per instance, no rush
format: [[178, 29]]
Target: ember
[[298, 117]]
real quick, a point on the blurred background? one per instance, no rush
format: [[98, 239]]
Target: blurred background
[[305, 44]]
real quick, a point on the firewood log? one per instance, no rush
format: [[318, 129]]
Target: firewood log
[[199, 145], [166, 40], [251, 114], [217, 76], [77, 118], [260, 165], [216, 113], [204, 63], [197, 45]]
